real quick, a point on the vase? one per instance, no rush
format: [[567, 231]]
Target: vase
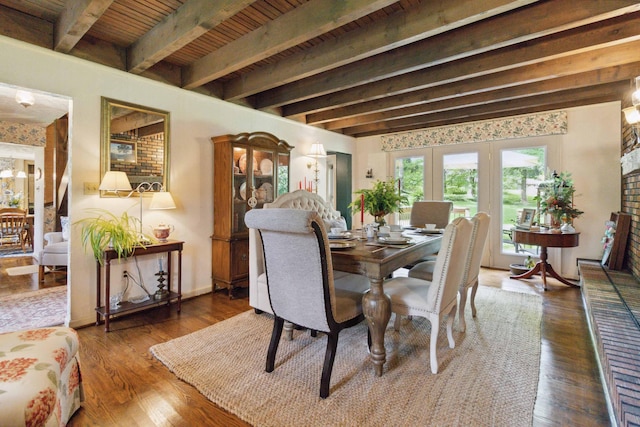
[[379, 218], [567, 227], [556, 223]]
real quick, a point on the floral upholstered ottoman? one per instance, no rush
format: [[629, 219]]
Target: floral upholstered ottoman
[[40, 382]]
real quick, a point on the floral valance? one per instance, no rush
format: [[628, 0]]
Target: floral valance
[[540, 124], [19, 133]]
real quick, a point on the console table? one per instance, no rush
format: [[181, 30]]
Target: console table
[[545, 240], [105, 311]]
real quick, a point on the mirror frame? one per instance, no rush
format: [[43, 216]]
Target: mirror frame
[[105, 150]]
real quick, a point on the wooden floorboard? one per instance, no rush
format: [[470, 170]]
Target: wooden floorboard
[[125, 385]]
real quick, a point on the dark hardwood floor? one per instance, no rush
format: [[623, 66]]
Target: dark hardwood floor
[[125, 385], [27, 282]]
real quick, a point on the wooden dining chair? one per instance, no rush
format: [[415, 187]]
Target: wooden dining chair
[[437, 298], [300, 281], [12, 226]]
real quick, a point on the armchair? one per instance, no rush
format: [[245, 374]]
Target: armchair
[[56, 251]]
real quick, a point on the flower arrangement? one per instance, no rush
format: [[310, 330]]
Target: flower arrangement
[[555, 197], [384, 198]]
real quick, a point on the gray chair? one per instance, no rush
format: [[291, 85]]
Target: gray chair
[[300, 281], [437, 298], [424, 270], [435, 212]]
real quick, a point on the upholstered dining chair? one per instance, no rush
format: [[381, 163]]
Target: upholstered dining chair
[[437, 298], [479, 233], [300, 281], [430, 212]]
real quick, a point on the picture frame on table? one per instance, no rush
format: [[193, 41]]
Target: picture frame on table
[[123, 151], [526, 218]]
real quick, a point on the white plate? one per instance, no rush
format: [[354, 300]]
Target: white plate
[[266, 167], [242, 163], [243, 191], [391, 241], [434, 231], [345, 235], [267, 190], [342, 245]]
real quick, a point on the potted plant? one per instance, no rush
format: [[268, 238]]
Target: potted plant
[[384, 198], [555, 197], [106, 230]]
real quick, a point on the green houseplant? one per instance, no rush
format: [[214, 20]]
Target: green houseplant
[[382, 199], [106, 230], [555, 197]]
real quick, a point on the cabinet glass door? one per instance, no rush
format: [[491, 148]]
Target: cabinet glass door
[[239, 192], [263, 178], [283, 174]]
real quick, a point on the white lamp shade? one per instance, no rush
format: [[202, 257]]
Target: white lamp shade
[[21, 174], [317, 150], [632, 114], [115, 181], [7, 173], [162, 200]]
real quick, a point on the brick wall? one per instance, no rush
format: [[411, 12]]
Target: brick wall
[[631, 199], [149, 159]]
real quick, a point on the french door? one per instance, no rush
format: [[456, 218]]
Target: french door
[[499, 178]]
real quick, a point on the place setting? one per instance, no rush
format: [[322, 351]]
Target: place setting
[[339, 238]]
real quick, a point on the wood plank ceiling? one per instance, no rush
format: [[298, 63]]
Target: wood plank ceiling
[[357, 67]]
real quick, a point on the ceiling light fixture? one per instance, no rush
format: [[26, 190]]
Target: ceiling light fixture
[[24, 98]]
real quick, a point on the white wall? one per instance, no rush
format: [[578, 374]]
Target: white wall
[[590, 151], [194, 120]]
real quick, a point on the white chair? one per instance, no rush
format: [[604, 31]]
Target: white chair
[[300, 281], [56, 251], [424, 270], [299, 199], [433, 300]]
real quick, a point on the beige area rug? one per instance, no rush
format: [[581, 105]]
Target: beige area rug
[[490, 378], [35, 309]]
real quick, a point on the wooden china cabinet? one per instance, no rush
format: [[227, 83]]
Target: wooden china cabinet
[[244, 165]]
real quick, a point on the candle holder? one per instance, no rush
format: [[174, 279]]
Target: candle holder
[[161, 292]]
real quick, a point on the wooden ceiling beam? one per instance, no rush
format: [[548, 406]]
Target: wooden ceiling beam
[[518, 26], [303, 23], [76, 19], [583, 61], [611, 91], [193, 19], [26, 28], [624, 72], [426, 20]]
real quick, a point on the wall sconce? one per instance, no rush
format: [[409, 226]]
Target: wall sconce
[[632, 115], [317, 151], [115, 182]]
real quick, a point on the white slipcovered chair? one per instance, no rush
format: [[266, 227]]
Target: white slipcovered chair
[[299, 199], [300, 281], [56, 251], [437, 298], [424, 270]]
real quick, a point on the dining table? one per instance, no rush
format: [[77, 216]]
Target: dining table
[[377, 259]]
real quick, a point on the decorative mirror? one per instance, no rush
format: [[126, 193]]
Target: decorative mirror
[[135, 140]]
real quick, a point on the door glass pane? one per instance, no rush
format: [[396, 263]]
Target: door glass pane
[[410, 172], [461, 183], [522, 171]]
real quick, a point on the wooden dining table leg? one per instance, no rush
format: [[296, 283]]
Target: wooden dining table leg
[[376, 307]]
